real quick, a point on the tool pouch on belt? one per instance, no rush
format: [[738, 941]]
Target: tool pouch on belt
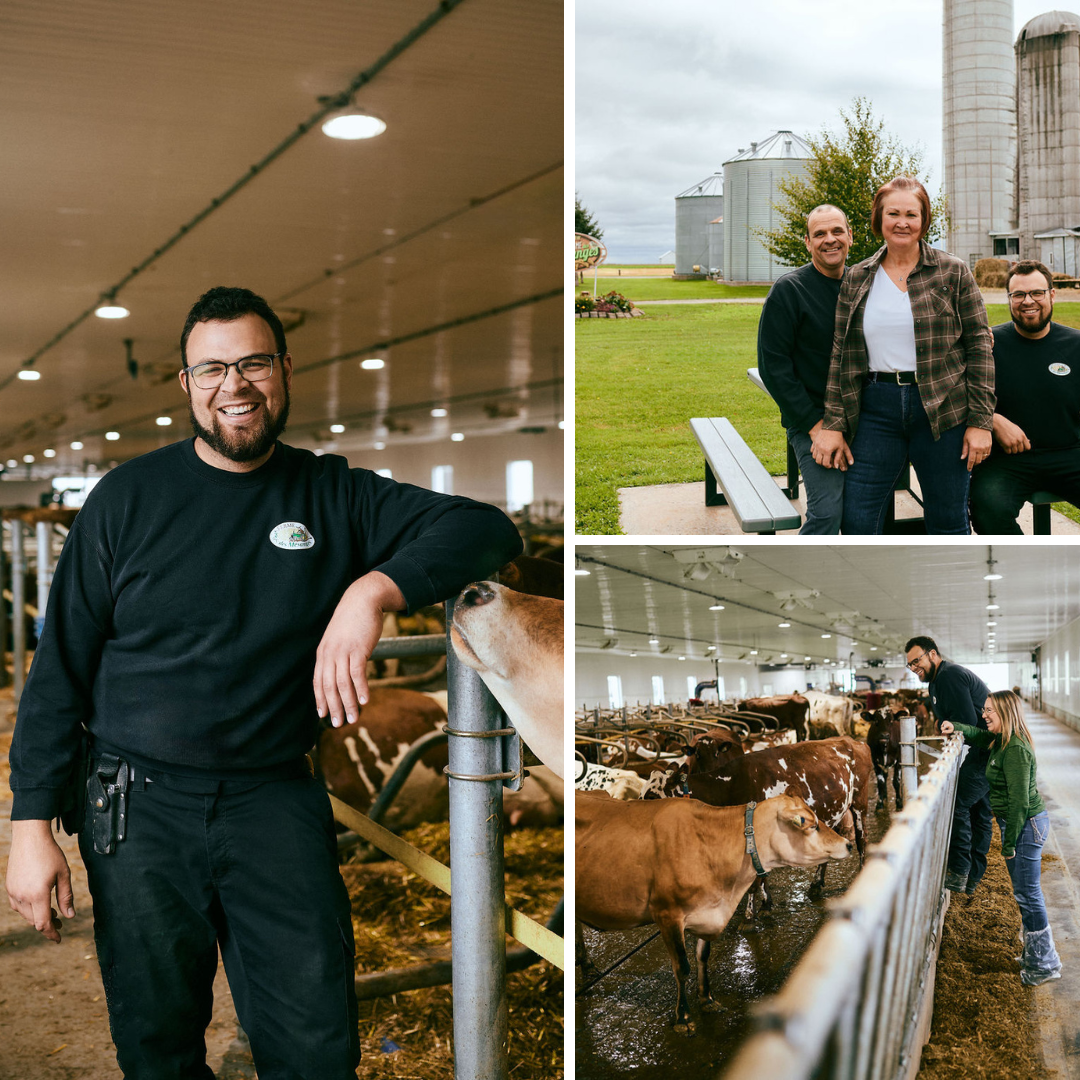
[[108, 791], [73, 813]]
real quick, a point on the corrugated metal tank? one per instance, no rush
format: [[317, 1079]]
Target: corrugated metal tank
[[1048, 73], [979, 123], [751, 180], [694, 209]]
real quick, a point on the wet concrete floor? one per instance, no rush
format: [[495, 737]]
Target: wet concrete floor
[[624, 1023]]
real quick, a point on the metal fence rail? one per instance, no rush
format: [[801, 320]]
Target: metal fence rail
[[857, 1006]]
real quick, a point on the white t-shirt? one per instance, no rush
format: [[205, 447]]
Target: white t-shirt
[[889, 326]]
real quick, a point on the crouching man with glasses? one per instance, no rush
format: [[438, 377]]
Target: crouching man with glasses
[[958, 695], [213, 600], [1037, 418]]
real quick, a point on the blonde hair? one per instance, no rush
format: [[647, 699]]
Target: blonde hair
[[1011, 710]]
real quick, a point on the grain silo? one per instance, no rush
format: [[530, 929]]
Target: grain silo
[[1048, 75], [694, 209], [751, 187], [979, 126]]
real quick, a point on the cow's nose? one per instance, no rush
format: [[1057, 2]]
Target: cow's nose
[[479, 592]]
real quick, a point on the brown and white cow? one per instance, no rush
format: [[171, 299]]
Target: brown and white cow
[[791, 711], [515, 642], [832, 775], [831, 709], [710, 749], [683, 865]]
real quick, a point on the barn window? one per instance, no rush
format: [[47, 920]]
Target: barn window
[[691, 685], [519, 485], [742, 686], [614, 692], [658, 690], [442, 479], [388, 473]]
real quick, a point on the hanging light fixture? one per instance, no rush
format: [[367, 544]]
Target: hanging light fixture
[[109, 308], [351, 123]]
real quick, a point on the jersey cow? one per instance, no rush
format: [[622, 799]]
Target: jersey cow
[[684, 866], [832, 775], [789, 712], [515, 642]]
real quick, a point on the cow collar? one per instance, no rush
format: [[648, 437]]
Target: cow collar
[[751, 847]]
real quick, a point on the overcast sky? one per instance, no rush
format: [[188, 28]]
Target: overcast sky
[[668, 90]]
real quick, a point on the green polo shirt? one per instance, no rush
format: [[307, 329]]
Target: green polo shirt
[[1011, 775]]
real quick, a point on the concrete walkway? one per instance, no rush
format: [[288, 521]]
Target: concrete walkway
[[679, 509], [1057, 1004]]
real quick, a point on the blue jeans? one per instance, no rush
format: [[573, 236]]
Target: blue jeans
[[893, 430], [824, 489], [972, 825], [1024, 869]]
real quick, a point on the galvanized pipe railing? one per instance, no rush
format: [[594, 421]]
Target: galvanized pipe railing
[[857, 1006]]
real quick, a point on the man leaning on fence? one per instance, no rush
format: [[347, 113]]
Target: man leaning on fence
[[215, 598], [795, 337], [958, 695]]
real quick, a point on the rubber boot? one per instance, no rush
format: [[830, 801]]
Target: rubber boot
[[1040, 962], [954, 882]]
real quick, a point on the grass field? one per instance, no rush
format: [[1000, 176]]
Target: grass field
[[662, 288], [640, 380]]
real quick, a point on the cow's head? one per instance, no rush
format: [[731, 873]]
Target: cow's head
[[798, 837]]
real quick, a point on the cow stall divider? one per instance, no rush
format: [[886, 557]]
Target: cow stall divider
[[858, 1004], [485, 756]]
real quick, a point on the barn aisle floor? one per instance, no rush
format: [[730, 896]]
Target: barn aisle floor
[[1057, 748]]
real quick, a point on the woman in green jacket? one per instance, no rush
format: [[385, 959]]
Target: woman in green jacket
[[1023, 821]]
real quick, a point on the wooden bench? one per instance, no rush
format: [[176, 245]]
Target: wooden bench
[[734, 477]]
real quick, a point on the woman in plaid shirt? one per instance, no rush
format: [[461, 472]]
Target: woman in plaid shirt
[[912, 373]]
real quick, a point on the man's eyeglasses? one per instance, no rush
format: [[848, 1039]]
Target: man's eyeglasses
[[214, 372], [1035, 294], [913, 663]]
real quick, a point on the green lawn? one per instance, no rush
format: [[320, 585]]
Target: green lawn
[[640, 380], [663, 288]]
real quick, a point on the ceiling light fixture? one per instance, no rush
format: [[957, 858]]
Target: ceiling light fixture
[[112, 436], [440, 412], [783, 625], [654, 641], [76, 445], [579, 570], [164, 421], [457, 436], [380, 446], [28, 374], [351, 124], [753, 652], [716, 607], [990, 575], [28, 458], [49, 453], [110, 309], [337, 429], [373, 364], [826, 635], [12, 463]]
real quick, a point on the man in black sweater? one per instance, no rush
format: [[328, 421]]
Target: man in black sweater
[[213, 599], [958, 695], [1037, 418], [795, 338]]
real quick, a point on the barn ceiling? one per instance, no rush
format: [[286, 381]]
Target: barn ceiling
[[869, 599], [160, 149]]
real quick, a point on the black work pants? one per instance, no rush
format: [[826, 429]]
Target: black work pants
[[1004, 482], [249, 868], [973, 821]]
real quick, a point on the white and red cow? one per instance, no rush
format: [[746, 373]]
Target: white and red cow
[[791, 711], [833, 776], [515, 642], [618, 783], [356, 760], [683, 865], [831, 709]]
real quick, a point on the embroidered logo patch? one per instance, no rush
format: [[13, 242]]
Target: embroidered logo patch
[[1060, 369], [291, 535]]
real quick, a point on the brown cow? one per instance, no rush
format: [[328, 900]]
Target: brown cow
[[515, 642], [883, 738], [684, 866], [832, 775], [711, 749], [789, 712]]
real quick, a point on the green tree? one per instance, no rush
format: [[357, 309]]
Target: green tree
[[846, 170], [584, 222]]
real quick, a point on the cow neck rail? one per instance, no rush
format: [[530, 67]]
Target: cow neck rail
[[858, 1004]]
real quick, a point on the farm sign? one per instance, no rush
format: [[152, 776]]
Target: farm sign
[[588, 252]]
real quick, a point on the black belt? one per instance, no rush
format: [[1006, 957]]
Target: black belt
[[903, 378]]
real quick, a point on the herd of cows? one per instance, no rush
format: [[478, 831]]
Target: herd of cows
[[678, 818]]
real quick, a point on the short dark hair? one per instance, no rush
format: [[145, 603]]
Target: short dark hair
[[900, 183], [224, 303], [927, 644], [1029, 266]]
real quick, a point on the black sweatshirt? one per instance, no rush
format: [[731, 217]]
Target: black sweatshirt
[[188, 603], [958, 695], [795, 337], [1038, 384]]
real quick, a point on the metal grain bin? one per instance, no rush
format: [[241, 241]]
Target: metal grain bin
[[751, 180], [695, 208]]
